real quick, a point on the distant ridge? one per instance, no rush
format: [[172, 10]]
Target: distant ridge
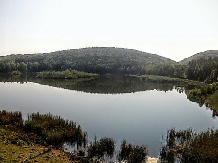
[[101, 60], [205, 54], [93, 59], [113, 52]]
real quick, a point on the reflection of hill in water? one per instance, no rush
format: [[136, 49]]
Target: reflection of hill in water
[[104, 84], [118, 84]]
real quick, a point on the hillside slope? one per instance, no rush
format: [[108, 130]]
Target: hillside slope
[[96, 60], [205, 54]]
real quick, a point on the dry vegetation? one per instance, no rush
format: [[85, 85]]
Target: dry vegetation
[[14, 149]]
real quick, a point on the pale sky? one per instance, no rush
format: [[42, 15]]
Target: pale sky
[[172, 28]]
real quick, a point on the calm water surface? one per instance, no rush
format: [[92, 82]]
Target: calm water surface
[[141, 117]]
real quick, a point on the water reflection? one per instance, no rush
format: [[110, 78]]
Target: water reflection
[[113, 84], [103, 84], [118, 107]]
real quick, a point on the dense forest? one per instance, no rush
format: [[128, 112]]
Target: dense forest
[[203, 69], [205, 54], [94, 60], [103, 60]]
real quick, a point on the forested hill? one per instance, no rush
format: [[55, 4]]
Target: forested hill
[[201, 55], [95, 60]]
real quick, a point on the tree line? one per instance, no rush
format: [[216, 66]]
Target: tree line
[[111, 60], [203, 69], [94, 60]]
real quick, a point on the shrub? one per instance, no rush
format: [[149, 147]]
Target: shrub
[[101, 148], [131, 153], [188, 146], [54, 130], [11, 118]]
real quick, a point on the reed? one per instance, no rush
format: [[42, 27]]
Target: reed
[[189, 146]]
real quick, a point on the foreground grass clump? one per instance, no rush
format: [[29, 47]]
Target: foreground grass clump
[[37, 138], [102, 148], [67, 74], [11, 118], [41, 137], [187, 146], [131, 153], [49, 129], [53, 130]]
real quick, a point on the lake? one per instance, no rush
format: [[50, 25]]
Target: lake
[[118, 107]]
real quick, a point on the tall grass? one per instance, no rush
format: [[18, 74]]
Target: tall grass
[[54, 130], [187, 146], [100, 149], [11, 118], [131, 153], [66, 74]]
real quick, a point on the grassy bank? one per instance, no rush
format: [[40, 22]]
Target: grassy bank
[[37, 139], [41, 138], [13, 148], [67, 74], [165, 79]]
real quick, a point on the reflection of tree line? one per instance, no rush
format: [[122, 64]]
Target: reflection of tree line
[[207, 95], [126, 84], [118, 84], [13, 78], [104, 84]]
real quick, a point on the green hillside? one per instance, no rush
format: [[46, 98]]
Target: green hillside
[[96, 60], [206, 54]]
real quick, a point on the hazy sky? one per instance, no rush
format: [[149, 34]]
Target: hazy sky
[[172, 28]]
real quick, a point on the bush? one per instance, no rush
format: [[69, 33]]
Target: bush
[[54, 130], [131, 153], [11, 118], [188, 146], [101, 148]]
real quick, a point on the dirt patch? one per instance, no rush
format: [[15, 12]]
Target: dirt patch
[[152, 160]]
